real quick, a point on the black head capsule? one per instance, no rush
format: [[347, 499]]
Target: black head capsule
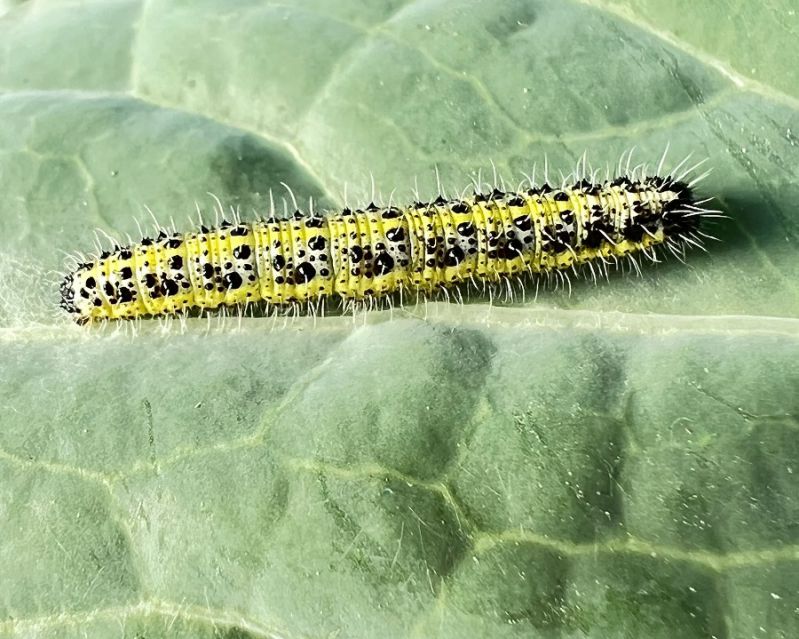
[[679, 216]]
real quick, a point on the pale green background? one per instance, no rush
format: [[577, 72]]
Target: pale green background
[[621, 462]]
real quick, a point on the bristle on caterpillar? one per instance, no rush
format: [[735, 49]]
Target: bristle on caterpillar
[[378, 252]]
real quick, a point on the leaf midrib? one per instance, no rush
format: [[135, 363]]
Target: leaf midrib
[[466, 315]]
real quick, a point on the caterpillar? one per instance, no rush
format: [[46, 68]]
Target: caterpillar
[[379, 251]]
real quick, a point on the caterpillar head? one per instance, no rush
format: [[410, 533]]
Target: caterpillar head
[[681, 216]]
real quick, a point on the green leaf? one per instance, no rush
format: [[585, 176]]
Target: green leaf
[[618, 462]]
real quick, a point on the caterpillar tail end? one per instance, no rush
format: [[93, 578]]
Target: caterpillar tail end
[[71, 300]]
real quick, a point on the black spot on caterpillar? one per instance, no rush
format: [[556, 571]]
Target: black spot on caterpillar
[[379, 251]]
